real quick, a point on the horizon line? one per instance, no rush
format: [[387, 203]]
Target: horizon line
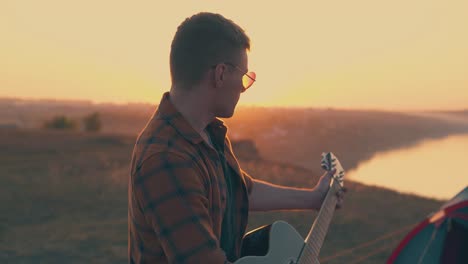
[[240, 105]]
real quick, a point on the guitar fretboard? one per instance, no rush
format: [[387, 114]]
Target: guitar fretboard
[[318, 231]]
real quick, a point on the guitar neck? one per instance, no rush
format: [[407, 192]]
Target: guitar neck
[[318, 231]]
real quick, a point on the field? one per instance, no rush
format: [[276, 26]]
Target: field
[[64, 194]]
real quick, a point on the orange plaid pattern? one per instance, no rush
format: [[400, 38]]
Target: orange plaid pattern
[[177, 192]]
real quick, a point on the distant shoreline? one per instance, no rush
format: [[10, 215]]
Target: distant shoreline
[[296, 136]]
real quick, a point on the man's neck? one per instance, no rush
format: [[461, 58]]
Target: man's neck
[[194, 107]]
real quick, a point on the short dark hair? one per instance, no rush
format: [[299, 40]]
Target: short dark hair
[[202, 41]]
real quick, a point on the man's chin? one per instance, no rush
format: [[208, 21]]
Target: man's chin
[[227, 114]]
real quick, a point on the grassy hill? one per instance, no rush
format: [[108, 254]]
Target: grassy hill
[[64, 200]]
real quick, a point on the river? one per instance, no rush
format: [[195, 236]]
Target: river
[[434, 168]]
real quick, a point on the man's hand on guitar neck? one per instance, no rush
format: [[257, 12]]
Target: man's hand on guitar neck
[[323, 186]]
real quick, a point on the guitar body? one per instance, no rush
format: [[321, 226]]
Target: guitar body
[[271, 244], [280, 243]]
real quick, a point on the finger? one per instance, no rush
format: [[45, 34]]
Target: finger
[[328, 175], [340, 194], [339, 205], [331, 172]]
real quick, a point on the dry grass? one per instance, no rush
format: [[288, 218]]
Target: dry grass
[[64, 200]]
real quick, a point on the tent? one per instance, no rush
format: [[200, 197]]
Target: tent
[[441, 238]]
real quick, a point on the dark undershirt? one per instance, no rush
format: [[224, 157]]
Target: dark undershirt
[[228, 233]]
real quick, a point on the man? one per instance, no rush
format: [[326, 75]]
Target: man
[[188, 197]]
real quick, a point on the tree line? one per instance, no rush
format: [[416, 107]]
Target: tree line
[[89, 123]]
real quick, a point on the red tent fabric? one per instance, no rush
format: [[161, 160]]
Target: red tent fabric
[[440, 238]]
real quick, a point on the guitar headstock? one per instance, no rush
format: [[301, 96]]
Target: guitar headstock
[[329, 162]]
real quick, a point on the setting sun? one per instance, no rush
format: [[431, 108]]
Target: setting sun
[[395, 55]]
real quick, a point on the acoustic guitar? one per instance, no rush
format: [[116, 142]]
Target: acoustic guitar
[[280, 243]]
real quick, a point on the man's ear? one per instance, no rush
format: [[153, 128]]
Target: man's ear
[[219, 74]]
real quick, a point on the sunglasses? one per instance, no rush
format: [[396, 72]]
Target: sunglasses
[[248, 78]]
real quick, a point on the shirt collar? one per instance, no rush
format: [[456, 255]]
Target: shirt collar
[[168, 112]]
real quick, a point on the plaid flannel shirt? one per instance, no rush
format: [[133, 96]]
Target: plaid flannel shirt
[[177, 192]]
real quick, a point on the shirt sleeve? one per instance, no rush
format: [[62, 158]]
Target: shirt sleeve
[[171, 193], [248, 181]]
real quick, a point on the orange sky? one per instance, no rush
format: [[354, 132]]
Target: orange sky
[[392, 55]]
